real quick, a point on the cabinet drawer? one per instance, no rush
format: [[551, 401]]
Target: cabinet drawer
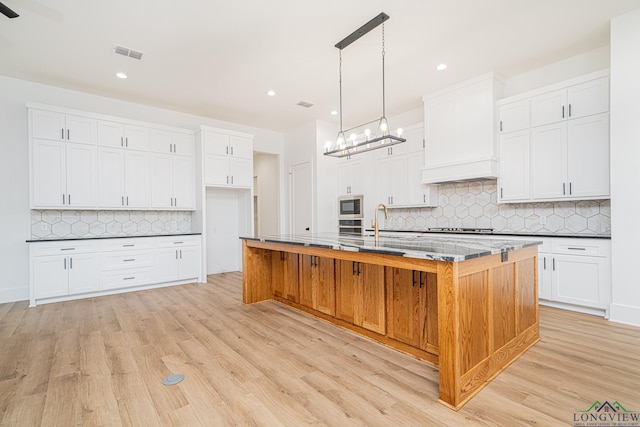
[[64, 248], [177, 241], [127, 244], [120, 261], [581, 247], [124, 279]]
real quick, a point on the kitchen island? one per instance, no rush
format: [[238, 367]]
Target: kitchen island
[[466, 305]]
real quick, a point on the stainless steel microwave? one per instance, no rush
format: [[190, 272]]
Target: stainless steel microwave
[[350, 207]]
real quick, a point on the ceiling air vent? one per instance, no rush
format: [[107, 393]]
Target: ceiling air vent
[[305, 104], [122, 50]]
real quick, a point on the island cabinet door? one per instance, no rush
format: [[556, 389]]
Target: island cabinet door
[[412, 304], [360, 295], [284, 275], [317, 284]]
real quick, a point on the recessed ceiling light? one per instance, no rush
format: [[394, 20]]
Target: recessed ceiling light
[[334, 113], [121, 75], [441, 67], [271, 93]]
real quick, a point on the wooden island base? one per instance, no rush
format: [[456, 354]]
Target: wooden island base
[[471, 319]]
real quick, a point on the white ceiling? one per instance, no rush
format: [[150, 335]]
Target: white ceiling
[[218, 58]]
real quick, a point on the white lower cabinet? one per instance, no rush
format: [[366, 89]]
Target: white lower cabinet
[[575, 274], [177, 258], [85, 268], [64, 268]]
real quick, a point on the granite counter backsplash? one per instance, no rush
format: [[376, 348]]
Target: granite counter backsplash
[[52, 224], [474, 204]]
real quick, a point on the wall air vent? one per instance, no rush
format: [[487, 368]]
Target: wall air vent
[[305, 104], [122, 50]]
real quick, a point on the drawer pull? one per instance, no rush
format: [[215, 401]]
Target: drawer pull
[[68, 249], [178, 243], [128, 278], [577, 249], [129, 260], [128, 246]]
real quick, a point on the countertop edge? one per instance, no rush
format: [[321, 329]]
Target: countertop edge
[[70, 239]]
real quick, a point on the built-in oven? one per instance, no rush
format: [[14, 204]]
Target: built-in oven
[[350, 217]]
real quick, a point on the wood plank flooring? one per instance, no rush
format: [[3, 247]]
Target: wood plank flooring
[[101, 361]]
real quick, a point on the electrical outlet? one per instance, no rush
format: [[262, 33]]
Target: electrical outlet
[[543, 220], [44, 226]]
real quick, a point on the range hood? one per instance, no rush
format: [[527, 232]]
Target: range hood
[[456, 172]]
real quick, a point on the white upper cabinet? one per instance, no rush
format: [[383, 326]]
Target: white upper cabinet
[[460, 131], [575, 101], [123, 178], [350, 175], [164, 141], [63, 127], [172, 182], [564, 151], [228, 159], [120, 135], [514, 116]]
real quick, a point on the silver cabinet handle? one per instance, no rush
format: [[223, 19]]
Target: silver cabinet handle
[[570, 191], [129, 278], [544, 263], [126, 142], [122, 200], [569, 110], [554, 264], [577, 249], [227, 150], [63, 199], [62, 134], [121, 141], [69, 199], [563, 111], [128, 260], [68, 137], [127, 200], [70, 263], [128, 246], [175, 199], [65, 263], [178, 243], [232, 150], [68, 249], [564, 189], [180, 253], [231, 179]]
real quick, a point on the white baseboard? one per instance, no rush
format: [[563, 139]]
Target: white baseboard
[[626, 314]]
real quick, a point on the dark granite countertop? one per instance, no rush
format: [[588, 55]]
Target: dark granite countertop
[[450, 249], [67, 239], [498, 233]]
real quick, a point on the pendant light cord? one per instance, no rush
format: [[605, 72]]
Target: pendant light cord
[[383, 91], [340, 71]]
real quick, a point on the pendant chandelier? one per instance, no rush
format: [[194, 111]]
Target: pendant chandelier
[[360, 139]]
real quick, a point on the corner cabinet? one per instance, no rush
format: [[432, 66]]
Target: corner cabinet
[[554, 144], [460, 131], [228, 159]]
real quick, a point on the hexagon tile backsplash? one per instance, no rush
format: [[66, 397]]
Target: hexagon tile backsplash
[[474, 205], [85, 224]]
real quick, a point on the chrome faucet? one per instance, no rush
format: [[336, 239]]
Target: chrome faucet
[[376, 230]]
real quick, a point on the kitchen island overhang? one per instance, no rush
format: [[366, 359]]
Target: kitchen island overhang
[[476, 313]]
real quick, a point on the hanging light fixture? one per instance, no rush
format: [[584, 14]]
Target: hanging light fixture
[[361, 138]]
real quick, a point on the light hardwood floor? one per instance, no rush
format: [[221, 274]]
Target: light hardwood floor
[[101, 361]]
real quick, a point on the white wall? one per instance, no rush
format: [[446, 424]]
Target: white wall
[[14, 161], [625, 167]]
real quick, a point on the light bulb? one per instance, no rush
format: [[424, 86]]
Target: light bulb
[[327, 146], [399, 131], [367, 134], [353, 138]]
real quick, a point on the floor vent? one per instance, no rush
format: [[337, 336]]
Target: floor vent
[[122, 50]]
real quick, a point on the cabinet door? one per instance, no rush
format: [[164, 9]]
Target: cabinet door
[[48, 174], [183, 182], [588, 98], [514, 166], [136, 137], [83, 273], [440, 124], [111, 177], [370, 312], [216, 144], [398, 180], [306, 280], [402, 306], [50, 276], [190, 262], [545, 262], [549, 108], [241, 172], [344, 179], [110, 134], [160, 141], [548, 161], [167, 265], [324, 284], [285, 275], [415, 140], [580, 280], [419, 194], [588, 156], [346, 282], [356, 177], [136, 179], [161, 181], [514, 116], [82, 176], [81, 130], [428, 318], [216, 170], [241, 147], [183, 144], [47, 125]]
